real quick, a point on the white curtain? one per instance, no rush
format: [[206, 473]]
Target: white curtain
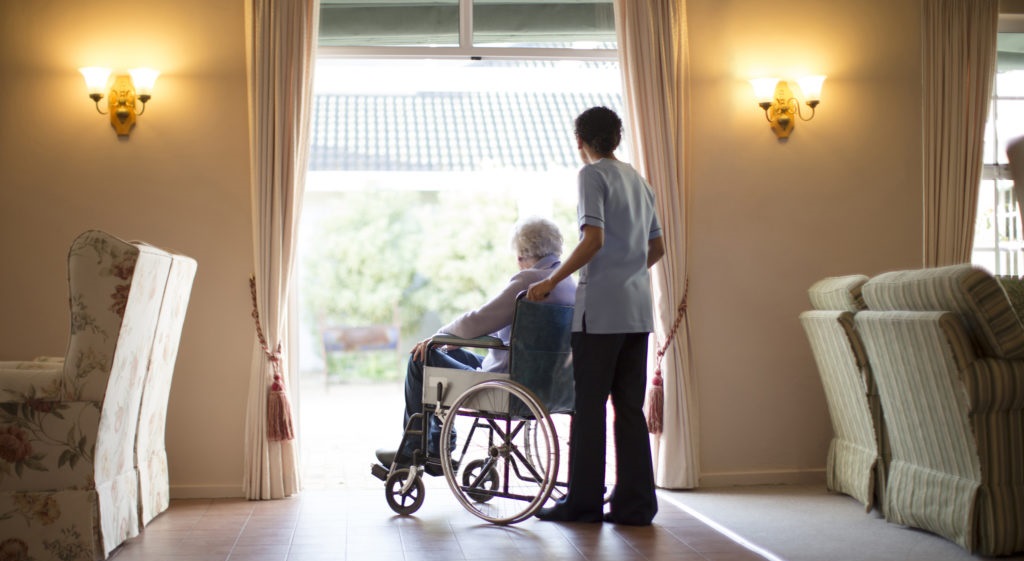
[[959, 53], [281, 40], [653, 56]]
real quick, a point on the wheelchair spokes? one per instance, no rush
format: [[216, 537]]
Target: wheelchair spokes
[[498, 482], [503, 465], [405, 491]]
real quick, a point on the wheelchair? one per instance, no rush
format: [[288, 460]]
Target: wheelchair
[[499, 448]]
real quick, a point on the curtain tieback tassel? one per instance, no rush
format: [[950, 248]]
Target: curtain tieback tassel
[[279, 408], [656, 393], [279, 412]]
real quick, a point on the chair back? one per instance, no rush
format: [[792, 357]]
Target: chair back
[[967, 290], [541, 353], [858, 453], [150, 449], [116, 288]]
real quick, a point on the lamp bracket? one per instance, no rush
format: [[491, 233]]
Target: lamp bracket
[[782, 110], [121, 104]]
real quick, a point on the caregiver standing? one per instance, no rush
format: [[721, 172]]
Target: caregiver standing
[[620, 239]]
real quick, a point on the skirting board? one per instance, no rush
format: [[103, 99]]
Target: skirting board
[[206, 492], [776, 477]]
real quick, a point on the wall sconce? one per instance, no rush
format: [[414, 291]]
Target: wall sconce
[[781, 105], [126, 97]]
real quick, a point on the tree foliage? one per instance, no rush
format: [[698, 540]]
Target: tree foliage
[[389, 257]]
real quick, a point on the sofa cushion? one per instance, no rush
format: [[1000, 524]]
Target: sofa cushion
[[970, 291], [838, 293]]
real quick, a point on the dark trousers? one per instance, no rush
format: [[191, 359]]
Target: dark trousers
[[611, 365], [454, 358]]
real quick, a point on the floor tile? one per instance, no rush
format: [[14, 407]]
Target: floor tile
[[345, 526]]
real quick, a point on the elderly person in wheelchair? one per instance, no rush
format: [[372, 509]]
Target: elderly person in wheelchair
[[537, 244]]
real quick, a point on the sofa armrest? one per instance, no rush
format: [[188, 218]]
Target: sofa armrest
[[995, 385], [22, 381], [40, 363]]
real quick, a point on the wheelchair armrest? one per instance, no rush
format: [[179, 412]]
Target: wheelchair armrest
[[485, 342]]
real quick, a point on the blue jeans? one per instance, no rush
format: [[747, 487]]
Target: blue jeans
[[454, 358]]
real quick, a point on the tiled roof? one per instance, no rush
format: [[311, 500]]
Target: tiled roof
[[448, 131]]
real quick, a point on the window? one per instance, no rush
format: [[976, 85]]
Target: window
[[389, 24], [449, 27], [429, 139], [567, 24], [998, 238]]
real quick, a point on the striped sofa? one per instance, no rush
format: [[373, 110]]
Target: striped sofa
[[857, 454], [947, 351]]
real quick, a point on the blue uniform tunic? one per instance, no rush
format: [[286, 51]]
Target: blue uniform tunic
[[614, 291]]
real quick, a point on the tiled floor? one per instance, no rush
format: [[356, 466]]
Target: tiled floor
[[342, 513], [357, 525]]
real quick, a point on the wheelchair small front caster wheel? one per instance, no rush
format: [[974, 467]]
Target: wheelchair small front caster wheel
[[404, 496], [479, 486]]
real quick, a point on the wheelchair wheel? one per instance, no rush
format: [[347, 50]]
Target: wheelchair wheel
[[478, 475], [401, 500], [498, 470]]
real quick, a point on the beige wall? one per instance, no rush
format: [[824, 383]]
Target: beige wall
[[769, 218], [180, 181]]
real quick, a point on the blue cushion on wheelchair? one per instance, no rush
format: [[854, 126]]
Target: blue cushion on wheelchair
[[541, 354]]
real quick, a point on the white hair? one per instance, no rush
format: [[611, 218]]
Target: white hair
[[536, 237]]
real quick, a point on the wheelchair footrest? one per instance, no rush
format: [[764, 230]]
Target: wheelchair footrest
[[379, 471]]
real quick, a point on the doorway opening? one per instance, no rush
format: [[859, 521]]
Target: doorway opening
[[418, 170]]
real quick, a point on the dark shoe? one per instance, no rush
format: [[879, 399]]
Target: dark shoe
[[388, 457], [433, 467], [609, 517], [562, 512]]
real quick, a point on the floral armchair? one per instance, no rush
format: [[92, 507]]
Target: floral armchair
[[150, 452], [68, 482]]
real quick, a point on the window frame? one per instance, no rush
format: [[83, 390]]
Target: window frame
[[1003, 253], [466, 49]]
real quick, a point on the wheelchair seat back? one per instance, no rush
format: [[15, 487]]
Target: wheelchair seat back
[[541, 353], [540, 358]]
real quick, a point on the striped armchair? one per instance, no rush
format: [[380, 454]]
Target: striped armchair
[[947, 351], [857, 454]]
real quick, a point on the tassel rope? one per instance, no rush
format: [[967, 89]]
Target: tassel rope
[[279, 409], [656, 393]]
